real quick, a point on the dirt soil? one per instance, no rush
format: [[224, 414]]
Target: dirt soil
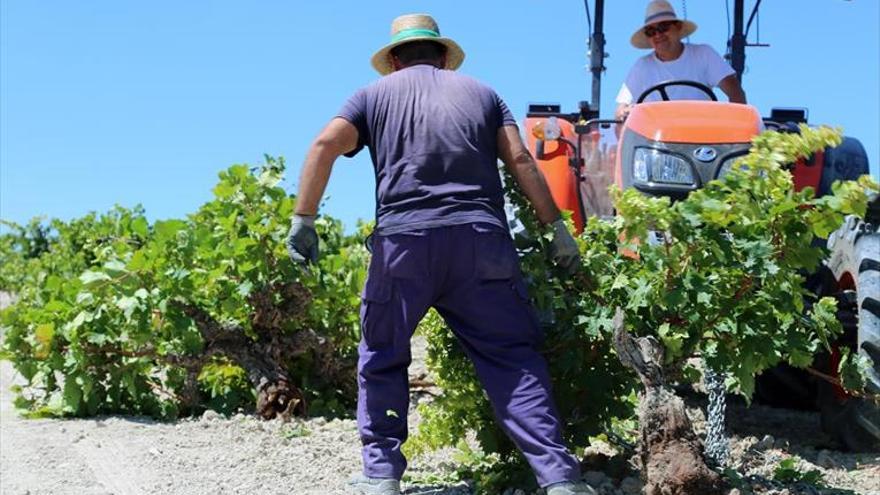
[[243, 455]]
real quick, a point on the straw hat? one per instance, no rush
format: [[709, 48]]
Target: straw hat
[[416, 27], [659, 11]]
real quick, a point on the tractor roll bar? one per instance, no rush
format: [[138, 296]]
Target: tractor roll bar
[[737, 45], [597, 56]]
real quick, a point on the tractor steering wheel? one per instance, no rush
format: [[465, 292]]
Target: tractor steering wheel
[[665, 84]]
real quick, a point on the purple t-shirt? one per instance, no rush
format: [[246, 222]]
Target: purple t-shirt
[[432, 135]]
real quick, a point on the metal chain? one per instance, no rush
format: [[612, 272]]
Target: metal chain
[[717, 447]]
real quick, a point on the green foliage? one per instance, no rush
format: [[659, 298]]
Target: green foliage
[[462, 405], [734, 479], [101, 323], [787, 472], [294, 431], [725, 282], [491, 473], [54, 310], [722, 281], [18, 248], [853, 369], [227, 387]]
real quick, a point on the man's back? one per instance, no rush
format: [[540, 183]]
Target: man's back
[[432, 136]]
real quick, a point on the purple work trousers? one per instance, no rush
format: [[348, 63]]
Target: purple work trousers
[[470, 274]]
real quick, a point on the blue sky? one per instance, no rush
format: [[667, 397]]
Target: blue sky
[[109, 102]]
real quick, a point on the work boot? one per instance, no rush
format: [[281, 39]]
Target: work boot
[[375, 486], [570, 488]]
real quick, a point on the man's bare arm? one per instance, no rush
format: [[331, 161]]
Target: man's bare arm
[[733, 89], [522, 167], [339, 137], [622, 111]]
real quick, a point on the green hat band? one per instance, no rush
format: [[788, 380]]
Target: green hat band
[[411, 33]]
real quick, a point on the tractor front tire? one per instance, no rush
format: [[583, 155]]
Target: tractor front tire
[[851, 421]]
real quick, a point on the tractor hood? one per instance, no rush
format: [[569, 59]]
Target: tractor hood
[[706, 122]]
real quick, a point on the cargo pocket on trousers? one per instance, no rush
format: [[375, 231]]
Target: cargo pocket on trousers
[[522, 291], [377, 325]]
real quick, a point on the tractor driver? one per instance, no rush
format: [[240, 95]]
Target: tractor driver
[[674, 60]]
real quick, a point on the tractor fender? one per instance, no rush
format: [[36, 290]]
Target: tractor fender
[[846, 161]]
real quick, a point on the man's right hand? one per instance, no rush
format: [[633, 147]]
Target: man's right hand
[[564, 248], [302, 240]]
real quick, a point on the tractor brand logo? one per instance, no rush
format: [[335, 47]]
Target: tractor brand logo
[[705, 154]]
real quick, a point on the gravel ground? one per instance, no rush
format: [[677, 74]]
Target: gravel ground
[[207, 455], [761, 437], [242, 455]]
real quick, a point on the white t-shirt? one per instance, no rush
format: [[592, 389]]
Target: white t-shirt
[[697, 62]]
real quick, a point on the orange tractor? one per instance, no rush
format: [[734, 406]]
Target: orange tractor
[[669, 148]]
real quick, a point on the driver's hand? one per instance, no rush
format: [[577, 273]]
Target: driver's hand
[[623, 111]]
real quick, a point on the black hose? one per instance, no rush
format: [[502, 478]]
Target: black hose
[[752, 17]]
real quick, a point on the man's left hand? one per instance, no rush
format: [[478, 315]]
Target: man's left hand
[[302, 240]]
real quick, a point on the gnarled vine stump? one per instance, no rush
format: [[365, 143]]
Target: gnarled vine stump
[[671, 454], [263, 357]]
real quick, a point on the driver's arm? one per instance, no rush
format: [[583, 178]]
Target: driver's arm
[[622, 111], [624, 100], [733, 89]]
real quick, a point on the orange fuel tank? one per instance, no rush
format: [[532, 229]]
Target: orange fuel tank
[[556, 169]]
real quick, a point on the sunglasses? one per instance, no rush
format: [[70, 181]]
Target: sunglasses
[[660, 27]]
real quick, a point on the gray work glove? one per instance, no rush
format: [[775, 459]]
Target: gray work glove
[[564, 249], [302, 240]]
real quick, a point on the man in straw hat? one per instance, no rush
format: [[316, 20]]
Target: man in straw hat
[[671, 59], [441, 240]]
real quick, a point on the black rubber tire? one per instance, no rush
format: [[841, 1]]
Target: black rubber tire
[[787, 387], [854, 421]]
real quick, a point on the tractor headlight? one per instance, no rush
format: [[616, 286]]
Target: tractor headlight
[[650, 165]]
